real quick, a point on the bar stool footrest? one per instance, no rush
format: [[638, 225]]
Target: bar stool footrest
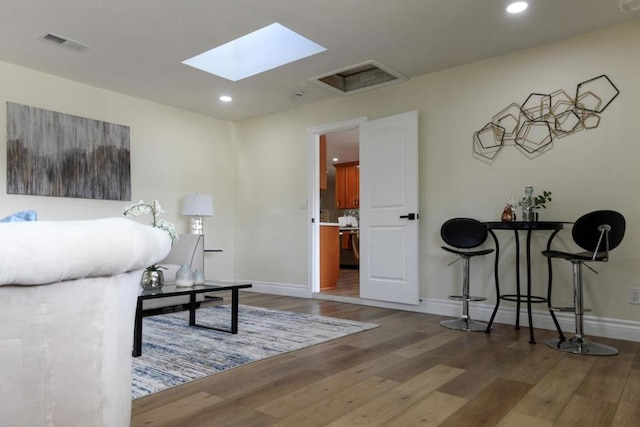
[[470, 298], [523, 298]]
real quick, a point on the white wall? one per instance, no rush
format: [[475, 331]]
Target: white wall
[[173, 152], [257, 169], [586, 171]]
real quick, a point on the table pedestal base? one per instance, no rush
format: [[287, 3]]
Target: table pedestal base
[[527, 297]]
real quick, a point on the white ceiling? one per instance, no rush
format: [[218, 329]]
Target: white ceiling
[[137, 45], [344, 146]]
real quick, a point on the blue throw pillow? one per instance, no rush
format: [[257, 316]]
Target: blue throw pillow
[[21, 216]]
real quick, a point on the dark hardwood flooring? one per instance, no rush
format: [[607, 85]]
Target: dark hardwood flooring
[[348, 284], [409, 371]]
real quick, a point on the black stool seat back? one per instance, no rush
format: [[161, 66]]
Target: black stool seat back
[[587, 235], [463, 233]]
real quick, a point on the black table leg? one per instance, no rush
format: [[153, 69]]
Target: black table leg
[[192, 310], [532, 340], [234, 311], [234, 314], [549, 287], [517, 243], [137, 330], [495, 272]]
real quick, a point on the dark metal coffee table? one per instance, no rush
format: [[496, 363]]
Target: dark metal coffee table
[[171, 290]]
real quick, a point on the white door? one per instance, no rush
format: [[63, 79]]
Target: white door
[[389, 268]]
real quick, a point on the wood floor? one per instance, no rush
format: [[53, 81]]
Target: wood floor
[[409, 371], [348, 284]]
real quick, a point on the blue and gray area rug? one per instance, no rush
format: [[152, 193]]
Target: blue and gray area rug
[[174, 353]]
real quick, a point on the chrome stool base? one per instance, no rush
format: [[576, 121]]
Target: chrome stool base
[[464, 325], [463, 298], [582, 345]]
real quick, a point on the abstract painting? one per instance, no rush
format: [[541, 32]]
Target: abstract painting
[[56, 154]]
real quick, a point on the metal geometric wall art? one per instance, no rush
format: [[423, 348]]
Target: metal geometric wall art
[[56, 154], [489, 140], [532, 126]]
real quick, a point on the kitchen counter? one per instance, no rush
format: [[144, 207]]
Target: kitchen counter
[[329, 255]]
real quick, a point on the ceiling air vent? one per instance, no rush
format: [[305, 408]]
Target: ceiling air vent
[[65, 42], [358, 78]]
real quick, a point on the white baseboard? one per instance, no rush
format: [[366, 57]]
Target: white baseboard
[[593, 326], [298, 291]]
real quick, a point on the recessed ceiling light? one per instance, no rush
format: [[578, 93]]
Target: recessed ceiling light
[[517, 7], [225, 98], [335, 159], [262, 50]]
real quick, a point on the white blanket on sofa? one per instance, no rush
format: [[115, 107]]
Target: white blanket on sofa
[[65, 345], [39, 252]]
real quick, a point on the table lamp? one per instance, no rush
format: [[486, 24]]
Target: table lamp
[[196, 206]]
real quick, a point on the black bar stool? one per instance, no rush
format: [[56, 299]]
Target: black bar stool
[[464, 234], [597, 233]]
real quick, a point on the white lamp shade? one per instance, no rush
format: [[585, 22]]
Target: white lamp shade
[[197, 205]]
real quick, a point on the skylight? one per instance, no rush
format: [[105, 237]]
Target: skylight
[[265, 49]]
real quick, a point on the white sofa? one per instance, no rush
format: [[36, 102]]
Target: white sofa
[[67, 301], [188, 249]]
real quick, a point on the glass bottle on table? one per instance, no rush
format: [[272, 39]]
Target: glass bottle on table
[[513, 202], [527, 204]]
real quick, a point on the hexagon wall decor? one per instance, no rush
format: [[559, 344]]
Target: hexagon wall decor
[[533, 126]]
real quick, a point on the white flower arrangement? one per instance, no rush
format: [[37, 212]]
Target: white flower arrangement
[[155, 210]]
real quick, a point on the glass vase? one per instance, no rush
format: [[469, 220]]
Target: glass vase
[[184, 276], [198, 277]]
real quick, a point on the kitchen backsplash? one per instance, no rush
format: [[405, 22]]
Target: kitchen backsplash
[[351, 212], [331, 215]]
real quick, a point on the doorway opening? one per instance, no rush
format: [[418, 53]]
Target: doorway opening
[[334, 215], [388, 209], [339, 204]]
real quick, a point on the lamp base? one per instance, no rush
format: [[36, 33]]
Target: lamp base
[[196, 225]]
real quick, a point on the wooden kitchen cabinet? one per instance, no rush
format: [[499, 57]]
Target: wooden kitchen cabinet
[[329, 256], [348, 185]]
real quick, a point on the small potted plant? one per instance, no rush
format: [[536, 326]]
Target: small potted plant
[[540, 201], [152, 277]]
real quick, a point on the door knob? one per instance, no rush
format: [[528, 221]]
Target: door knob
[[411, 216]]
